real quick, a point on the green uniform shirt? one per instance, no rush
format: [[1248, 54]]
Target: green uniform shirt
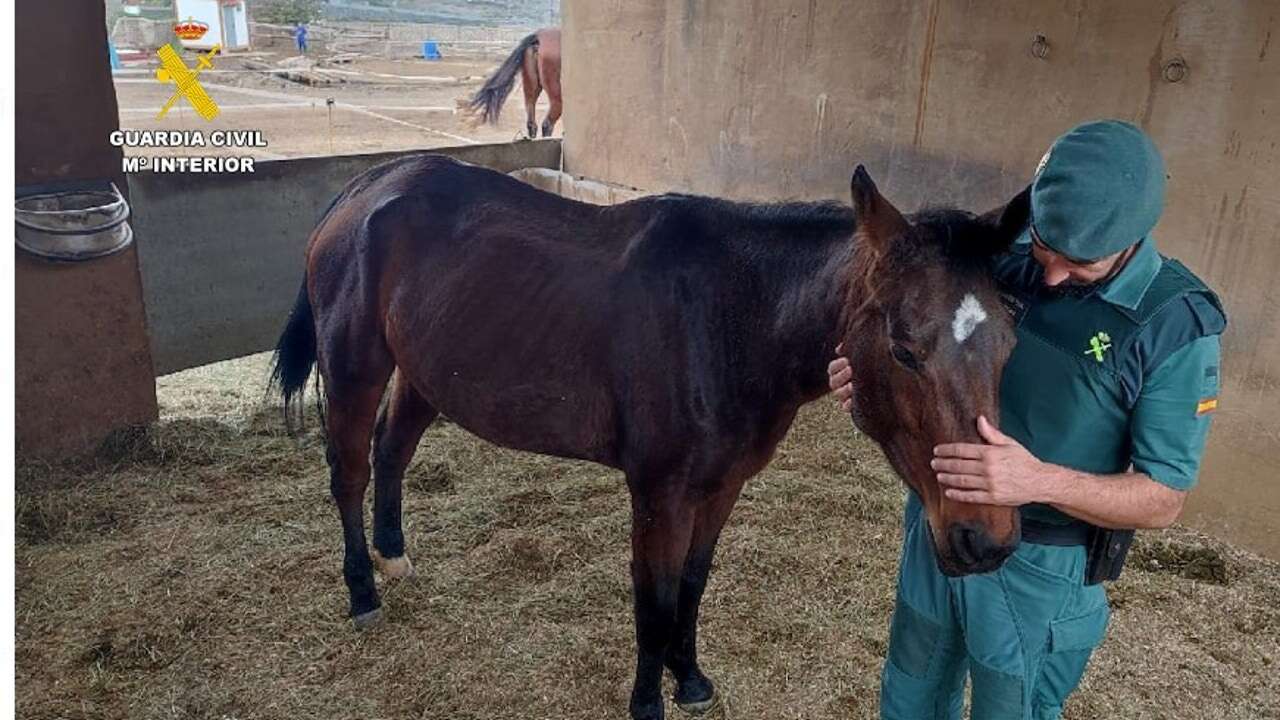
[[1125, 376]]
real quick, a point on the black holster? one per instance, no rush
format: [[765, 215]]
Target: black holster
[[1106, 552]]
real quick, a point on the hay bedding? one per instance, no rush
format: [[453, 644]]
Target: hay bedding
[[194, 572]]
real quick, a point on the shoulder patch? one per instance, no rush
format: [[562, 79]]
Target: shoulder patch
[[1210, 385]]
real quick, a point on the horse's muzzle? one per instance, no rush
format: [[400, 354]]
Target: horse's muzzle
[[972, 551]]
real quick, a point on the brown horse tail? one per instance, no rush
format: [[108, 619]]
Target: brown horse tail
[[488, 99], [294, 357]]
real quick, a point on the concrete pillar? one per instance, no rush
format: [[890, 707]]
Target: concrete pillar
[[82, 362]]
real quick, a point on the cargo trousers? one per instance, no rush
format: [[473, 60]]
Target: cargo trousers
[[1022, 634]]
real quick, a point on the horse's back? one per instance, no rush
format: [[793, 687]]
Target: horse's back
[[490, 294]]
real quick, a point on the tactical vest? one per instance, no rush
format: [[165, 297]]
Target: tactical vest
[[1072, 382]]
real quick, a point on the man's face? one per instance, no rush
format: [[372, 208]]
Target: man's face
[[1068, 276]]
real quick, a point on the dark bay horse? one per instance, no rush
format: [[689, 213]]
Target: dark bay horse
[[671, 337], [537, 59]]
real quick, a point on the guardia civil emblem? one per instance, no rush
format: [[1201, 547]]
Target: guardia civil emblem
[[1098, 344]]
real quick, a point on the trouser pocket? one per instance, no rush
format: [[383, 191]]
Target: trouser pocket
[[1072, 641]]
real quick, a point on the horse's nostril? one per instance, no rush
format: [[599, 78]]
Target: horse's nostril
[[974, 547], [962, 545]]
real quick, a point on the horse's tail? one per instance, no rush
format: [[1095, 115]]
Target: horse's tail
[[295, 353], [488, 99], [294, 357]]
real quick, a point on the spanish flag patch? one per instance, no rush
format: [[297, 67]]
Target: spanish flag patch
[[1207, 405]]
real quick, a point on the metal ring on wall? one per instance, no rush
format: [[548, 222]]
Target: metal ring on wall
[[71, 225]]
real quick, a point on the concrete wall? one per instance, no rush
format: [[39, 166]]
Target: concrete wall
[[222, 255], [581, 189], [82, 368], [142, 34], [946, 103]]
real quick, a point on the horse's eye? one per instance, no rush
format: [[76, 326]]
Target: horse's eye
[[904, 356]]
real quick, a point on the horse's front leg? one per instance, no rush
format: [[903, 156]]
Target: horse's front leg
[[662, 525], [695, 693]]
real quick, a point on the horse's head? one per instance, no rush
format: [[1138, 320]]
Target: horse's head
[[929, 337]]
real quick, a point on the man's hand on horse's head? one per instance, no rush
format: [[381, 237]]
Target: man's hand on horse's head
[[840, 379], [999, 472]]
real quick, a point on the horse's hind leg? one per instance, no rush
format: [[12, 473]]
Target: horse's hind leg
[[549, 125], [549, 71], [405, 416], [354, 383], [532, 89]]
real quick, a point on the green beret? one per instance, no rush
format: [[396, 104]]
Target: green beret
[[1098, 190]]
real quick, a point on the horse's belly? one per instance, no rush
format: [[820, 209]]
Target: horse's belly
[[517, 387], [511, 344], [542, 417]]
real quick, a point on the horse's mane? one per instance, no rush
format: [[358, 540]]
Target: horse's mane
[[792, 221], [955, 232], [963, 241]]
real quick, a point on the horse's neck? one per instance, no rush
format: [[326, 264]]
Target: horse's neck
[[806, 305]]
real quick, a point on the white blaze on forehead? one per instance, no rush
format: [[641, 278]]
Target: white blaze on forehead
[[969, 315]]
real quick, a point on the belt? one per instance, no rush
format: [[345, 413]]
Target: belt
[[1042, 533]]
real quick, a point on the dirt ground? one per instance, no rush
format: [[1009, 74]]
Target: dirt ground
[[380, 105], [195, 572]]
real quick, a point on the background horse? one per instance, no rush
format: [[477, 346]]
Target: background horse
[[671, 337], [537, 59]]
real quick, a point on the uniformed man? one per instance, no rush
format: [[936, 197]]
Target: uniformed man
[[1104, 409]]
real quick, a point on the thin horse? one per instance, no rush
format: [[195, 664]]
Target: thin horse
[[671, 337], [537, 59]]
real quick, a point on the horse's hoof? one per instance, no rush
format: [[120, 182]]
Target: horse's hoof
[[647, 711], [396, 567], [697, 700], [364, 621], [699, 707]]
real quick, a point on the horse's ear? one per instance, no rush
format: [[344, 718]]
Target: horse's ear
[[1007, 222], [879, 222]]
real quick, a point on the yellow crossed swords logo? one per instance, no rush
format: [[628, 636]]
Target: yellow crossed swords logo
[[175, 71]]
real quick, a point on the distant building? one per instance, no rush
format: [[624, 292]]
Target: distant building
[[135, 9], [228, 22]]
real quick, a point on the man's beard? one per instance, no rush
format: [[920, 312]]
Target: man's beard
[[1069, 289], [1077, 289]]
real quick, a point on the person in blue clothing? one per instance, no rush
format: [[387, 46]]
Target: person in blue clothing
[[300, 37], [1105, 406]]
